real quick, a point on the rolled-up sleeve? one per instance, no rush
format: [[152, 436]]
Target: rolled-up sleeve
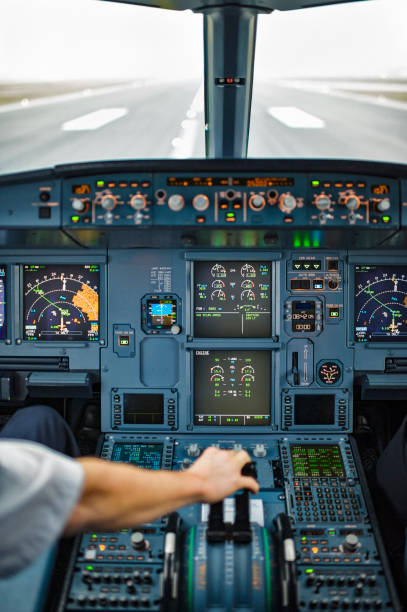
[[38, 491]]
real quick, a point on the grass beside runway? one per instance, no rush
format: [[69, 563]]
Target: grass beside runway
[[23, 92]]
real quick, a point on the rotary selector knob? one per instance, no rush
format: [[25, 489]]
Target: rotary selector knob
[[138, 202], [257, 202], [237, 447], [351, 543], [176, 202], [259, 451], [352, 202], [175, 329], [193, 450], [383, 205], [323, 202], [287, 203], [78, 205], [108, 202], [200, 202], [137, 540]]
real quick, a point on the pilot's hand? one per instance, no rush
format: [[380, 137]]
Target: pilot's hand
[[220, 472]]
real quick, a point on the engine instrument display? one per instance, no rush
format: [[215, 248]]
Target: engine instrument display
[[3, 321], [232, 299], [380, 303], [319, 460], [232, 388], [61, 302], [143, 455]]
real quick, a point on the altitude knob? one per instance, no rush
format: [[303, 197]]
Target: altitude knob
[[137, 540], [259, 451], [200, 202], [176, 202], [78, 205], [323, 202], [138, 202], [193, 450], [287, 203], [352, 202], [257, 202], [108, 202], [351, 543], [383, 205]]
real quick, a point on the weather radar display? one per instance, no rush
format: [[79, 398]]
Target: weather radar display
[[61, 302], [380, 303]]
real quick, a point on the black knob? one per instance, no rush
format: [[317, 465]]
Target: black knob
[[134, 602], [113, 601], [116, 577], [123, 601], [334, 603], [367, 604], [324, 604], [313, 604], [147, 577], [345, 604], [145, 602], [130, 588], [87, 577], [136, 576], [378, 604], [356, 604], [82, 600]]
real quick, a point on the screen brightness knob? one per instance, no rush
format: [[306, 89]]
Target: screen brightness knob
[[176, 202]]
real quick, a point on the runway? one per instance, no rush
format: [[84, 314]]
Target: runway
[[138, 121]]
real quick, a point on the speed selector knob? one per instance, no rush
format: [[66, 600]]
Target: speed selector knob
[[383, 205], [176, 202], [323, 202], [352, 202], [108, 202], [78, 205], [351, 543], [138, 202], [193, 450], [287, 203], [257, 202], [200, 202]]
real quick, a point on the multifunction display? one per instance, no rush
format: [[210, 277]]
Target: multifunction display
[[61, 302], [380, 303], [232, 388], [317, 460], [303, 316], [143, 409], [313, 409], [143, 455], [232, 299], [3, 321]]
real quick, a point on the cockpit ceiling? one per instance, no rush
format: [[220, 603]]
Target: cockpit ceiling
[[262, 5]]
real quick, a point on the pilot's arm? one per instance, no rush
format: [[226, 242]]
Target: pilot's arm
[[44, 494]]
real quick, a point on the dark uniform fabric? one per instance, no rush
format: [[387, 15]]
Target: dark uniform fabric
[[391, 472], [44, 425]]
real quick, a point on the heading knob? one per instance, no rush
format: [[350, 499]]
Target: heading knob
[[323, 202], [137, 540], [200, 202], [138, 202], [108, 202], [257, 202], [193, 450], [351, 543], [176, 202], [287, 203]]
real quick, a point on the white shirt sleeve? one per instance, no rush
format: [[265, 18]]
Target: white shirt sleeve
[[38, 490]]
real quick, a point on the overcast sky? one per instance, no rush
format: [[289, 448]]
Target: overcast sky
[[75, 39]]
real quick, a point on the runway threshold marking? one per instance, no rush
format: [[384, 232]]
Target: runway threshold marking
[[94, 120], [294, 117]]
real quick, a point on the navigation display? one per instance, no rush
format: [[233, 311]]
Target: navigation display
[[61, 302], [143, 409], [317, 460], [3, 319], [143, 455], [232, 299], [232, 388], [380, 303]]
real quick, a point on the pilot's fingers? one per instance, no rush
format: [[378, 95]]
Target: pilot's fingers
[[247, 482], [242, 457]]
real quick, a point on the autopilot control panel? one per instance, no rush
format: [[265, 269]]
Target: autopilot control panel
[[210, 305]]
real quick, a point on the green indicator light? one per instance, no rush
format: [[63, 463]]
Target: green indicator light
[[385, 219], [89, 567], [297, 240], [304, 539], [100, 183], [307, 242], [233, 214], [332, 532], [309, 571], [94, 535], [75, 218], [315, 183]]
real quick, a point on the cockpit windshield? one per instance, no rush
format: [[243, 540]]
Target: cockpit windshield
[[87, 80]]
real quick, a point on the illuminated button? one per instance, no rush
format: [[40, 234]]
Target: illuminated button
[[333, 312], [318, 283], [237, 206], [288, 219], [75, 219], [124, 340], [230, 217], [386, 219], [200, 219], [224, 206]]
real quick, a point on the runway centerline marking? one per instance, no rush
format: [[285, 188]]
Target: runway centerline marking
[[294, 117], [94, 120]]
